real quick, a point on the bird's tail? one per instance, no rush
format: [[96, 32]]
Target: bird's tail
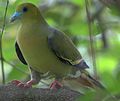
[[92, 81], [84, 80]]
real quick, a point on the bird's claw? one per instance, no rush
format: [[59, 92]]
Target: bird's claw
[[22, 85], [56, 85], [15, 82]]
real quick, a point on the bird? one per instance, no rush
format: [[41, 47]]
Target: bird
[[45, 49]]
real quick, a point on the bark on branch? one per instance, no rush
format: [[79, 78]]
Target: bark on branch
[[10, 92]]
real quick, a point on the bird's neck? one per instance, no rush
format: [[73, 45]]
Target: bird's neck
[[34, 20], [30, 25]]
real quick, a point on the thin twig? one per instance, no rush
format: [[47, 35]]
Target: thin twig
[[1, 52], [91, 37]]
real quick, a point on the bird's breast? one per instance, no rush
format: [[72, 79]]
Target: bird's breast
[[38, 55]]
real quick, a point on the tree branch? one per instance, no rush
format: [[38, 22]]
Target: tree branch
[[12, 93]]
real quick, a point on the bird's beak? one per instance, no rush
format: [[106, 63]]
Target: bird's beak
[[15, 16]]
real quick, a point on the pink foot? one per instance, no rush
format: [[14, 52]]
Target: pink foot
[[15, 82], [23, 85], [29, 84], [56, 85]]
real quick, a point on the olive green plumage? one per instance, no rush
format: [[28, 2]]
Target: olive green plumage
[[43, 48]]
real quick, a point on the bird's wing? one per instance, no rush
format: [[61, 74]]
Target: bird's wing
[[63, 47], [19, 54]]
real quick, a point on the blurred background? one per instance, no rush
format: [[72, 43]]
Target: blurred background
[[93, 25]]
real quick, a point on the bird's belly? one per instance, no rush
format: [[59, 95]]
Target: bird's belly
[[40, 57]]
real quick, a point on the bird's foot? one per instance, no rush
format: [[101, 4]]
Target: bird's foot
[[56, 85], [23, 85]]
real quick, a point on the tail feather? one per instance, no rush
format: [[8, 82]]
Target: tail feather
[[95, 82], [85, 80]]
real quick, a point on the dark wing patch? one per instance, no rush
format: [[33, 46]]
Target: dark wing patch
[[65, 50], [63, 47], [56, 53], [19, 54]]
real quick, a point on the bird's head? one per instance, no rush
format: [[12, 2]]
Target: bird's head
[[25, 11]]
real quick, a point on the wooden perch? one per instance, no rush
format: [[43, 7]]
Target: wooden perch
[[10, 92]]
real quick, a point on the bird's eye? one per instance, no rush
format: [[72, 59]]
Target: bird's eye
[[25, 9]]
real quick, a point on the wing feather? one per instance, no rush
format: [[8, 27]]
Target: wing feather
[[64, 48], [19, 54]]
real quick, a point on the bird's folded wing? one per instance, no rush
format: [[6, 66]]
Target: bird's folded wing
[[63, 47], [19, 54]]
